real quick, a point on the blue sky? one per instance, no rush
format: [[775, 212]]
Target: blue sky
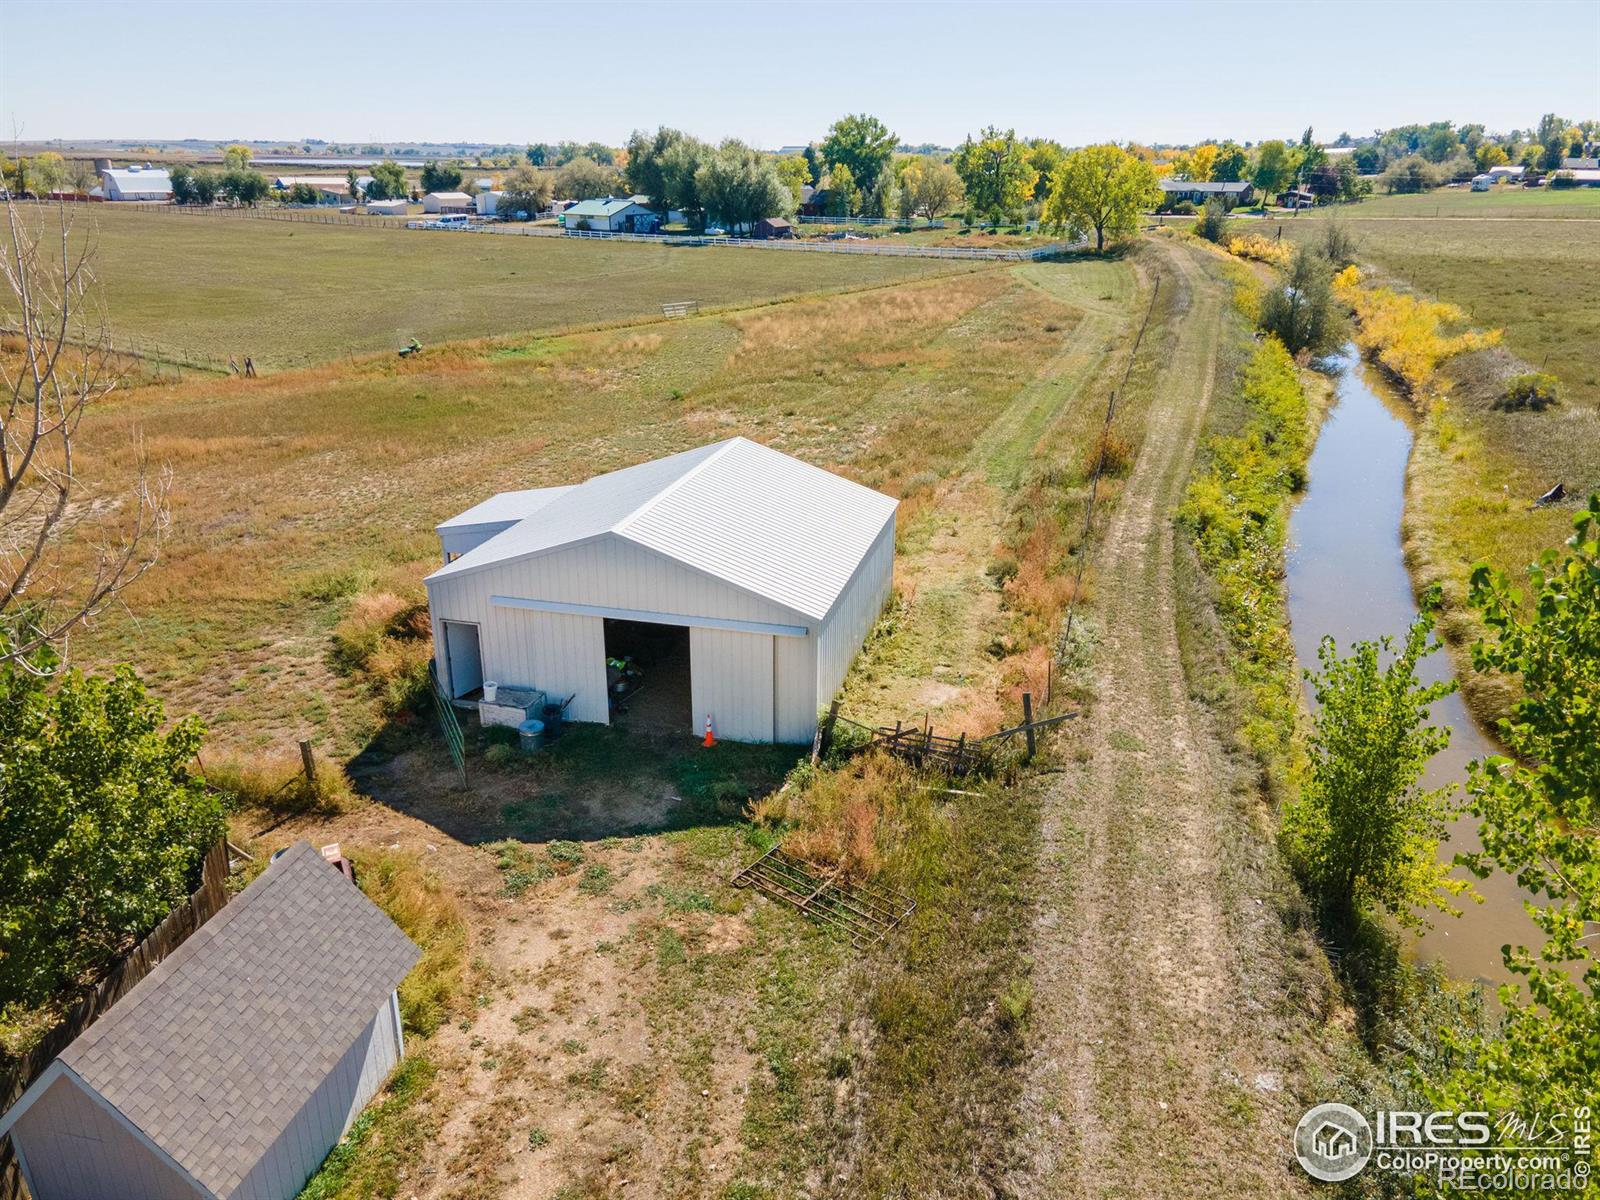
[[780, 73]]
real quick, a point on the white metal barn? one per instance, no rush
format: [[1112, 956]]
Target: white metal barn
[[231, 1070], [752, 573], [136, 183], [447, 202]]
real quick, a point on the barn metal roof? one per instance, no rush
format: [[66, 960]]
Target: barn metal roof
[[213, 1053], [503, 508], [608, 206], [753, 517]]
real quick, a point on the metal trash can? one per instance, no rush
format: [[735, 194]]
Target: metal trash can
[[552, 721], [531, 734]]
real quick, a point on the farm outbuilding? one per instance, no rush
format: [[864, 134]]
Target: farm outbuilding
[[743, 578], [447, 202], [136, 183], [231, 1070], [387, 208], [613, 214], [773, 227]]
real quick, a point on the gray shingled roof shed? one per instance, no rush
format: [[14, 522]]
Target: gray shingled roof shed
[[232, 1069]]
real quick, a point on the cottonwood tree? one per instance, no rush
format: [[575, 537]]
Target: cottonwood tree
[[524, 193], [585, 179], [1100, 188], [862, 143], [998, 173], [66, 551], [739, 186], [440, 177], [388, 182]]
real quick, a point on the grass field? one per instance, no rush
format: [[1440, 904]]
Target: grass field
[[293, 294], [1499, 201]]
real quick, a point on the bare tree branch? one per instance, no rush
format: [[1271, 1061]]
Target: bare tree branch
[[65, 554]]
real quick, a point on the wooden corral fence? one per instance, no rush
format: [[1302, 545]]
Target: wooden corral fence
[[175, 929], [863, 912], [680, 308], [918, 744]]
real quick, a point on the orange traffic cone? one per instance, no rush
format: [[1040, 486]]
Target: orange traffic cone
[[710, 741]]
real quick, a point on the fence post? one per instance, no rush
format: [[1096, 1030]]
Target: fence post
[[825, 738], [1027, 720], [309, 762]]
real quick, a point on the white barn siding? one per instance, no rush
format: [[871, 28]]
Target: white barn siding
[[860, 605], [299, 1150], [732, 683], [72, 1147], [794, 688], [565, 655]]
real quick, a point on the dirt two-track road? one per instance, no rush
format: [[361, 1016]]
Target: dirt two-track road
[[1163, 1063]]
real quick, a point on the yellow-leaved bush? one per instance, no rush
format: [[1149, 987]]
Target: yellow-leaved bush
[[1253, 245], [1407, 334]]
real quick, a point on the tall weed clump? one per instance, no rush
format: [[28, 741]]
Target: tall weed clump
[[385, 642], [416, 901], [1237, 516]]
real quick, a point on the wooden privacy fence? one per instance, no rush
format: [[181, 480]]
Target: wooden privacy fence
[[191, 913]]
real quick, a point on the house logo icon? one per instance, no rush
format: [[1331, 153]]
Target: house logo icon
[[1333, 1142]]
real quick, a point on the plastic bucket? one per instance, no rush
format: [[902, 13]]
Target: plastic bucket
[[490, 691], [531, 733]]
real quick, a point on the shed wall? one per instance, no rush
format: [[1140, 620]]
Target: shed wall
[[794, 688], [852, 618], [731, 681], [299, 1150], [564, 653], [75, 1150]]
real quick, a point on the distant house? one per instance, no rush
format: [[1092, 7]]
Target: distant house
[[1233, 193], [487, 202], [448, 202], [813, 202], [614, 214], [1506, 172], [773, 227], [1577, 177], [1296, 198], [231, 1070], [1580, 164], [332, 189], [136, 183]]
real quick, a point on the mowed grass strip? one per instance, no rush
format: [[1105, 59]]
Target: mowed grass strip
[[292, 294]]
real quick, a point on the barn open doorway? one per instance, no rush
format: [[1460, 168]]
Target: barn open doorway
[[647, 677]]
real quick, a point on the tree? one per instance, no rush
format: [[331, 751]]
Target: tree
[[440, 177], [1100, 188], [585, 179], [49, 171], [388, 181], [739, 186], [1490, 155], [1274, 168], [884, 197], [1212, 223], [81, 176], [658, 164], [1362, 832], [60, 366], [1044, 156], [844, 197], [204, 186], [352, 185], [537, 154], [938, 189], [182, 178], [1411, 174], [908, 180], [104, 827], [1539, 813], [814, 162], [1303, 313], [1196, 165], [524, 193], [862, 143], [243, 188], [237, 157], [1231, 163], [795, 174], [303, 193], [996, 173]]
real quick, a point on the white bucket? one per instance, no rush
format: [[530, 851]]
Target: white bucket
[[490, 691]]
